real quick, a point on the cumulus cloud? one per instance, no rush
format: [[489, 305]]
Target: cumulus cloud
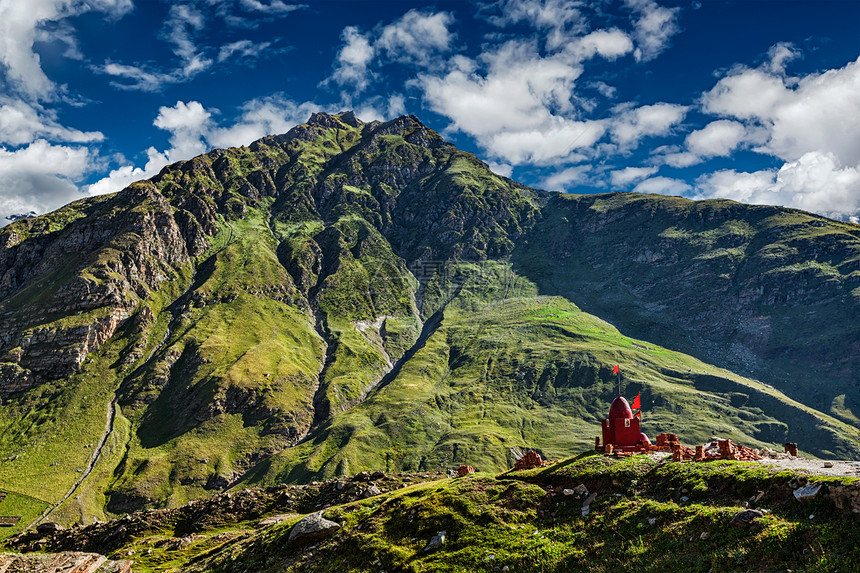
[[353, 60], [40, 177], [654, 27], [663, 186], [628, 175], [815, 182], [22, 122], [609, 44], [818, 112], [717, 139], [631, 125], [516, 108], [519, 98], [20, 24], [564, 179], [810, 122], [558, 19], [503, 169], [417, 37]]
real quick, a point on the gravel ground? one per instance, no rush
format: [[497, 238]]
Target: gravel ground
[[840, 468]]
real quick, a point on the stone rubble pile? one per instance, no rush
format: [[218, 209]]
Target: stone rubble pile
[[224, 508]]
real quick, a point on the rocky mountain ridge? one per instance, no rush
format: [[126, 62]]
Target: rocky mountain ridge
[[352, 295]]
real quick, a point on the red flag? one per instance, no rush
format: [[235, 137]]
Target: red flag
[[616, 370], [636, 404]]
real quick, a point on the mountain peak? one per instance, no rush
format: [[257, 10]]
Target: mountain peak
[[327, 120]]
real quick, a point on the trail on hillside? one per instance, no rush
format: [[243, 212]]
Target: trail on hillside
[[112, 406], [91, 464]]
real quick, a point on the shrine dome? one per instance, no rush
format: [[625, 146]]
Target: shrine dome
[[620, 409]]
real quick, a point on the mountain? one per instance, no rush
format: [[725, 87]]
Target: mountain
[[354, 295]]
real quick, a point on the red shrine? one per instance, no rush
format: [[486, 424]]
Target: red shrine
[[621, 430]]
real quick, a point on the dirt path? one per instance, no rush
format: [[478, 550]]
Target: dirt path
[[91, 464]]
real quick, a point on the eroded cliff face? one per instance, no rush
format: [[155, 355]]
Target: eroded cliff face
[[67, 291]]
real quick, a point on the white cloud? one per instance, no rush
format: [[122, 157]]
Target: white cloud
[[632, 124], [609, 44], [745, 94], [779, 55], [183, 23], [185, 30], [417, 38], [124, 176], [562, 180], [555, 140], [815, 182], [517, 107], [45, 158], [819, 112], [717, 139], [503, 169], [663, 186], [21, 123], [353, 60], [559, 19], [39, 177], [811, 123], [243, 48], [141, 79], [19, 26], [654, 27], [272, 7], [187, 123], [380, 108], [262, 117], [628, 175]]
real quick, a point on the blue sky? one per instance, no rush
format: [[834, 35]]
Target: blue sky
[[757, 101]]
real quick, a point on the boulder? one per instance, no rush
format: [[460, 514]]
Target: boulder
[[436, 542], [48, 528], [807, 493], [311, 528], [746, 518]]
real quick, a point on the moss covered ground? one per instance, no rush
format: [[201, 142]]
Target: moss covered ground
[[643, 513]]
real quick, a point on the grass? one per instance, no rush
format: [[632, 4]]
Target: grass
[[19, 505], [524, 522], [528, 371]]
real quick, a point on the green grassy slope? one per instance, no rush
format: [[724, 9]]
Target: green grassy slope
[[507, 368], [767, 292]]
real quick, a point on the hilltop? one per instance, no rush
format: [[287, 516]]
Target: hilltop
[[358, 296]]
